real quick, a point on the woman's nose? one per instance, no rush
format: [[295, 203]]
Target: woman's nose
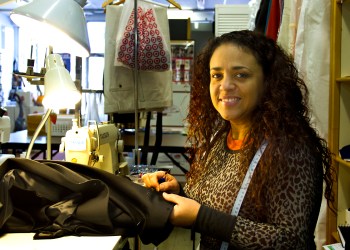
[[227, 83]]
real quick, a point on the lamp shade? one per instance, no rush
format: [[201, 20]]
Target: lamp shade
[[60, 22], [60, 90]]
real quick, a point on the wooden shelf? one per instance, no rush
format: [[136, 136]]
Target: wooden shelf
[[340, 160], [345, 79], [339, 111]]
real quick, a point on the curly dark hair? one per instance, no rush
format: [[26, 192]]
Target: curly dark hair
[[282, 117]]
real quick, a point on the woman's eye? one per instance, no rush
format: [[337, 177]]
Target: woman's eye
[[215, 76], [241, 75]]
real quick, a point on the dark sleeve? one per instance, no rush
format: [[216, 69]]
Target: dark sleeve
[[215, 223], [262, 17], [182, 192]]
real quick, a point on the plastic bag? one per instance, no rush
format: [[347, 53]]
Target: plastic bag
[[153, 52]]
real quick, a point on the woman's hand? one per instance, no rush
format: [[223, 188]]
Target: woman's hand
[[161, 181], [185, 210]]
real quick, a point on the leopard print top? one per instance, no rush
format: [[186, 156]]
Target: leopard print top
[[289, 215]]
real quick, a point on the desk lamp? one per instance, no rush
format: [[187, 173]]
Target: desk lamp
[[59, 23], [60, 93]]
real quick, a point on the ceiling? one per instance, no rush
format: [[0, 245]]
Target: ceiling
[[97, 4], [185, 4], [203, 10]]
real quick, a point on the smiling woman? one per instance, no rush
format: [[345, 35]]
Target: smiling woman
[[236, 85], [257, 164]]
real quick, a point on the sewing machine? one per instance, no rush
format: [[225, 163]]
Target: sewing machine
[[95, 145], [5, 130]]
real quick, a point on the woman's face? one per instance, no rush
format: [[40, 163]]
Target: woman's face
[[236, 83]]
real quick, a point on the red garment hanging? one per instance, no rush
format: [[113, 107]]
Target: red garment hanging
[[274, 19]]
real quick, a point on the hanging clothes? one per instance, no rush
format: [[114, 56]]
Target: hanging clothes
[[274, 19], [93, 107], [312, 58], [254, 6], [289, 26], [153, 52], [269, 17], [284, 35], [262, 16], [154, 88]]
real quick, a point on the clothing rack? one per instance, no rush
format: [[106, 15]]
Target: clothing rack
[[136, 152], [172, 2]]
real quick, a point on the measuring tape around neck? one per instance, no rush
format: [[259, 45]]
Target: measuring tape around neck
[[244, 187]]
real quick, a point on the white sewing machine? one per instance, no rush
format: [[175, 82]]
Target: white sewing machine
[[95, 145], [5, 130]]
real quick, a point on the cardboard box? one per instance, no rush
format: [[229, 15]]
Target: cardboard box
[[63, 124], [13, 112], [33, 120]]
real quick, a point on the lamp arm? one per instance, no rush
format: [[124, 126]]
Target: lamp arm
[[37, 131]]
